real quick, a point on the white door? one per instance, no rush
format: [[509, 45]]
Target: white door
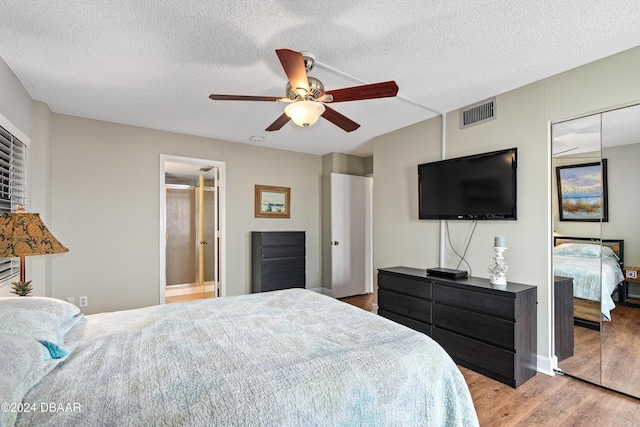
[[351, 235]]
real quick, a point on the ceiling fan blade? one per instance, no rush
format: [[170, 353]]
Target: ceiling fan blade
[[370, 91], [339, 120], [280, 121], [293, 64], [217, 97]]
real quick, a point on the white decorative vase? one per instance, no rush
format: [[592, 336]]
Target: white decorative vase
[[498, 268]]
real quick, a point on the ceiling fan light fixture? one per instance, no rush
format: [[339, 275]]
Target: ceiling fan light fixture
[[304, 113]]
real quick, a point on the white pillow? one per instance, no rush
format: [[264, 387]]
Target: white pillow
[[45, 320]]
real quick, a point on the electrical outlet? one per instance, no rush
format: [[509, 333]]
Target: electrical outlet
[[72, 300], [84, 301]]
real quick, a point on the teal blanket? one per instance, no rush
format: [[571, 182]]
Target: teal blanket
[[283, 358]]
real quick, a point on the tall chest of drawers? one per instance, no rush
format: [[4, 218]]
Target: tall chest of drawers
[[490, 330], [278, 260]]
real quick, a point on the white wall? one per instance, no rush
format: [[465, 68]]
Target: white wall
[[105, 198], [523, 121]]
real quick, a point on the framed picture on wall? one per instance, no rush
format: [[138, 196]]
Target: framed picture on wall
[[272, 202], [582, 192]]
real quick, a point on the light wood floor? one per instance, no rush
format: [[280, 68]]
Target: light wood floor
[[619, 344], [621, 350], [543, 400], [192, 297]]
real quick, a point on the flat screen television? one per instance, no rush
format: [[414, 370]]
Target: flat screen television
[[476, 187]]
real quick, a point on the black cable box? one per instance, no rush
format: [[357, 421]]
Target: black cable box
[[449, 273]]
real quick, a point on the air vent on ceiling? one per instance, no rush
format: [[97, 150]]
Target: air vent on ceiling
[[478, 113]]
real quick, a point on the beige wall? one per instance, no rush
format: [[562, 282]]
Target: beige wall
[[104, 189], [622, 176], [624, 204], [29, 120], [105, 197], [523, 121], [399, 237], [572, 228], [346, 164], [15, 102]]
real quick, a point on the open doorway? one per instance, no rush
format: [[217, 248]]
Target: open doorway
[[191, 229]]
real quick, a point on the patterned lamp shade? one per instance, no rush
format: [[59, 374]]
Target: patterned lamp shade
[[23, 234]]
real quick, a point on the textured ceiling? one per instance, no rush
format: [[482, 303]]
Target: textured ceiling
[[154, 63]]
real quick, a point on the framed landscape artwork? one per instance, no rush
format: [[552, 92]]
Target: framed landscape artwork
[[272, 202], [582, 192]]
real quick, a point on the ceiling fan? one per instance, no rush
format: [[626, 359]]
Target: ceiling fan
[[307, 97]]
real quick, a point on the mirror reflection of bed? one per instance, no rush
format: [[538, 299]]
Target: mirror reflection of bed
[[606, 340], [595, 268]]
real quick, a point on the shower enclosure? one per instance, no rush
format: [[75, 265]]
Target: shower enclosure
[[192, 246]]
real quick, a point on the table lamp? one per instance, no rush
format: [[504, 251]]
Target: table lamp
[[23, 234]]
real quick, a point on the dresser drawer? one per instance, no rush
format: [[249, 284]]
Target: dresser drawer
[[404, 305], [492, 304], [276, 281], [282, 239], [274, 266], [282, 251], [418, 288], [277, 260], [484, 328], [410, 323], [491, 361]]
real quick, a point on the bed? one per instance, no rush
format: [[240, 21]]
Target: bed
[[285, 358], [596, 271]]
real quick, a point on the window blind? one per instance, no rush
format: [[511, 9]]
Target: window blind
[[12, 189]]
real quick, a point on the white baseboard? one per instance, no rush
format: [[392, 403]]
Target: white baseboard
[[546, 365], [374, 308]]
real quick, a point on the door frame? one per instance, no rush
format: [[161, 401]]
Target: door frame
[[162, 244]]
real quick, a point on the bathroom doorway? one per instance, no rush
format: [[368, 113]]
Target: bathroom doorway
[[192, 224]]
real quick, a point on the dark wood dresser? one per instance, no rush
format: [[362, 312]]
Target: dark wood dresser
[[277, 260], [490, 330], [563, 316]]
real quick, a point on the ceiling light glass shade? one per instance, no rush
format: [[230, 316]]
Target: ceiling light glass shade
[[304, 113]]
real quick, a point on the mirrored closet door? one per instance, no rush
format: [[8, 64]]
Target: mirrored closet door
[[597, 240]]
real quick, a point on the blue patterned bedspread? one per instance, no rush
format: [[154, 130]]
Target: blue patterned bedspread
[[282, 358]]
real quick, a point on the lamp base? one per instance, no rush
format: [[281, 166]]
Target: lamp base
[[21, 288]]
